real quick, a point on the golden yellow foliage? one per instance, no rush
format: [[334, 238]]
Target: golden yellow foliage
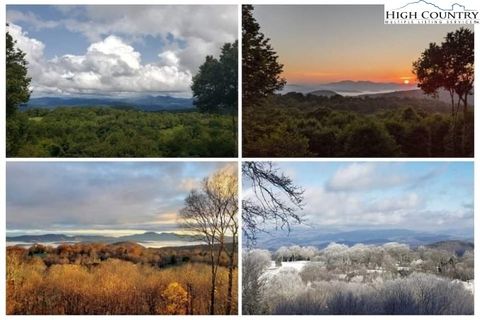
[[175, 298], [112, 286]]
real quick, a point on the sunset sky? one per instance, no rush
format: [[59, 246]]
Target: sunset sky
[[327, 43]]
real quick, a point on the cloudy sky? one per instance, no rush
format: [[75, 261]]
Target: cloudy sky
[[421, 196], [325, 43], [107, 50], [112, 198]]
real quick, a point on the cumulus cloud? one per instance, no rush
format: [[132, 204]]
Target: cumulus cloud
[[325, 207], [377, 195], [111, 63]]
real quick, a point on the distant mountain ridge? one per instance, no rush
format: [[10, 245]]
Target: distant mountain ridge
[[348, 87], [145, 103], [365, 236], [324, 93], [143, 237], [443, 95], [363, 86]]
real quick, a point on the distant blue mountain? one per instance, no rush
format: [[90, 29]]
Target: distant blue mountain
[[143, 237], [145, 103], [321, 239]]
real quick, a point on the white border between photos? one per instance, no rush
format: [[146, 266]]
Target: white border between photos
[[239, 159]]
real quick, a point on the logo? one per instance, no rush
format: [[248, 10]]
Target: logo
[[427, 12]]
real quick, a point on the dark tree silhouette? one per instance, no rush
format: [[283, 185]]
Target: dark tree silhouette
[[449, 66], [261, 71], [432, 71], [17, 82], [275, 202], [459, 47]]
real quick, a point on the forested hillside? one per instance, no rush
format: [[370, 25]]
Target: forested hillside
[[296, 125], [122, 278], [111, 132]]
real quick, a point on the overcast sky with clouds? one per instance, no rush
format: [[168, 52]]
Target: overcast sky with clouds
[[111, 50], [100, 197], [426, 196]]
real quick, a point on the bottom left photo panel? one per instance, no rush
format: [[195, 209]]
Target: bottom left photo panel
[[140, 238]]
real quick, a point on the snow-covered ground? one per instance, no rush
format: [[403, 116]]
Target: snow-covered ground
[[468, 285], [297, 265]]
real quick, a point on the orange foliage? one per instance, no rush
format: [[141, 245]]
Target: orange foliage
[[86, 279]]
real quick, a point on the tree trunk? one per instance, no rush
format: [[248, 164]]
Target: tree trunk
[[189, 299], [213, 283], [464, 129], [230, 277], [452, 97], [235, 129]]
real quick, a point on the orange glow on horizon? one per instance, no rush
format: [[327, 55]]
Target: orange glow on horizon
[[318, 77]]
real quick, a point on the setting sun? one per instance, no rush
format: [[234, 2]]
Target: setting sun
[[406, 81]]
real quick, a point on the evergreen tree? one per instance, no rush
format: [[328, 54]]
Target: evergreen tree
[[215, 86], [261, 71], [17, 82]]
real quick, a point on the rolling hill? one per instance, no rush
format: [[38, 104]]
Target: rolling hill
[[365, 236], [145, 103], [143, 237], [416, 94]]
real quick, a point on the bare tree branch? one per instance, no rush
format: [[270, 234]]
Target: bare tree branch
[[276, 200]]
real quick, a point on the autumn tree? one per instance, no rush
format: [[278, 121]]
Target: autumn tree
[[210, 212], [17, 81], [175, 298], [261, 71], [275, 199]]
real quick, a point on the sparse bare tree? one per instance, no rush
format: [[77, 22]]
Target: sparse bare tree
[[276, 200], [211, 212]]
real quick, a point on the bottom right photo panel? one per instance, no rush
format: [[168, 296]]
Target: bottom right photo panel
[[371, 238]]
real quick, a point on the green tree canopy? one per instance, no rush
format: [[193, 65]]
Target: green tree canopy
[[17, 81], [261, 71], [215, 86]]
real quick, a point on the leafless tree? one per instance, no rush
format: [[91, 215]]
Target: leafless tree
[[211, 213]]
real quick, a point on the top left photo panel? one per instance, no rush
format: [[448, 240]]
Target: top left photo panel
[[122, 81]]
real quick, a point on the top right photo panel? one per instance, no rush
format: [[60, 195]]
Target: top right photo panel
[[336, 81]]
